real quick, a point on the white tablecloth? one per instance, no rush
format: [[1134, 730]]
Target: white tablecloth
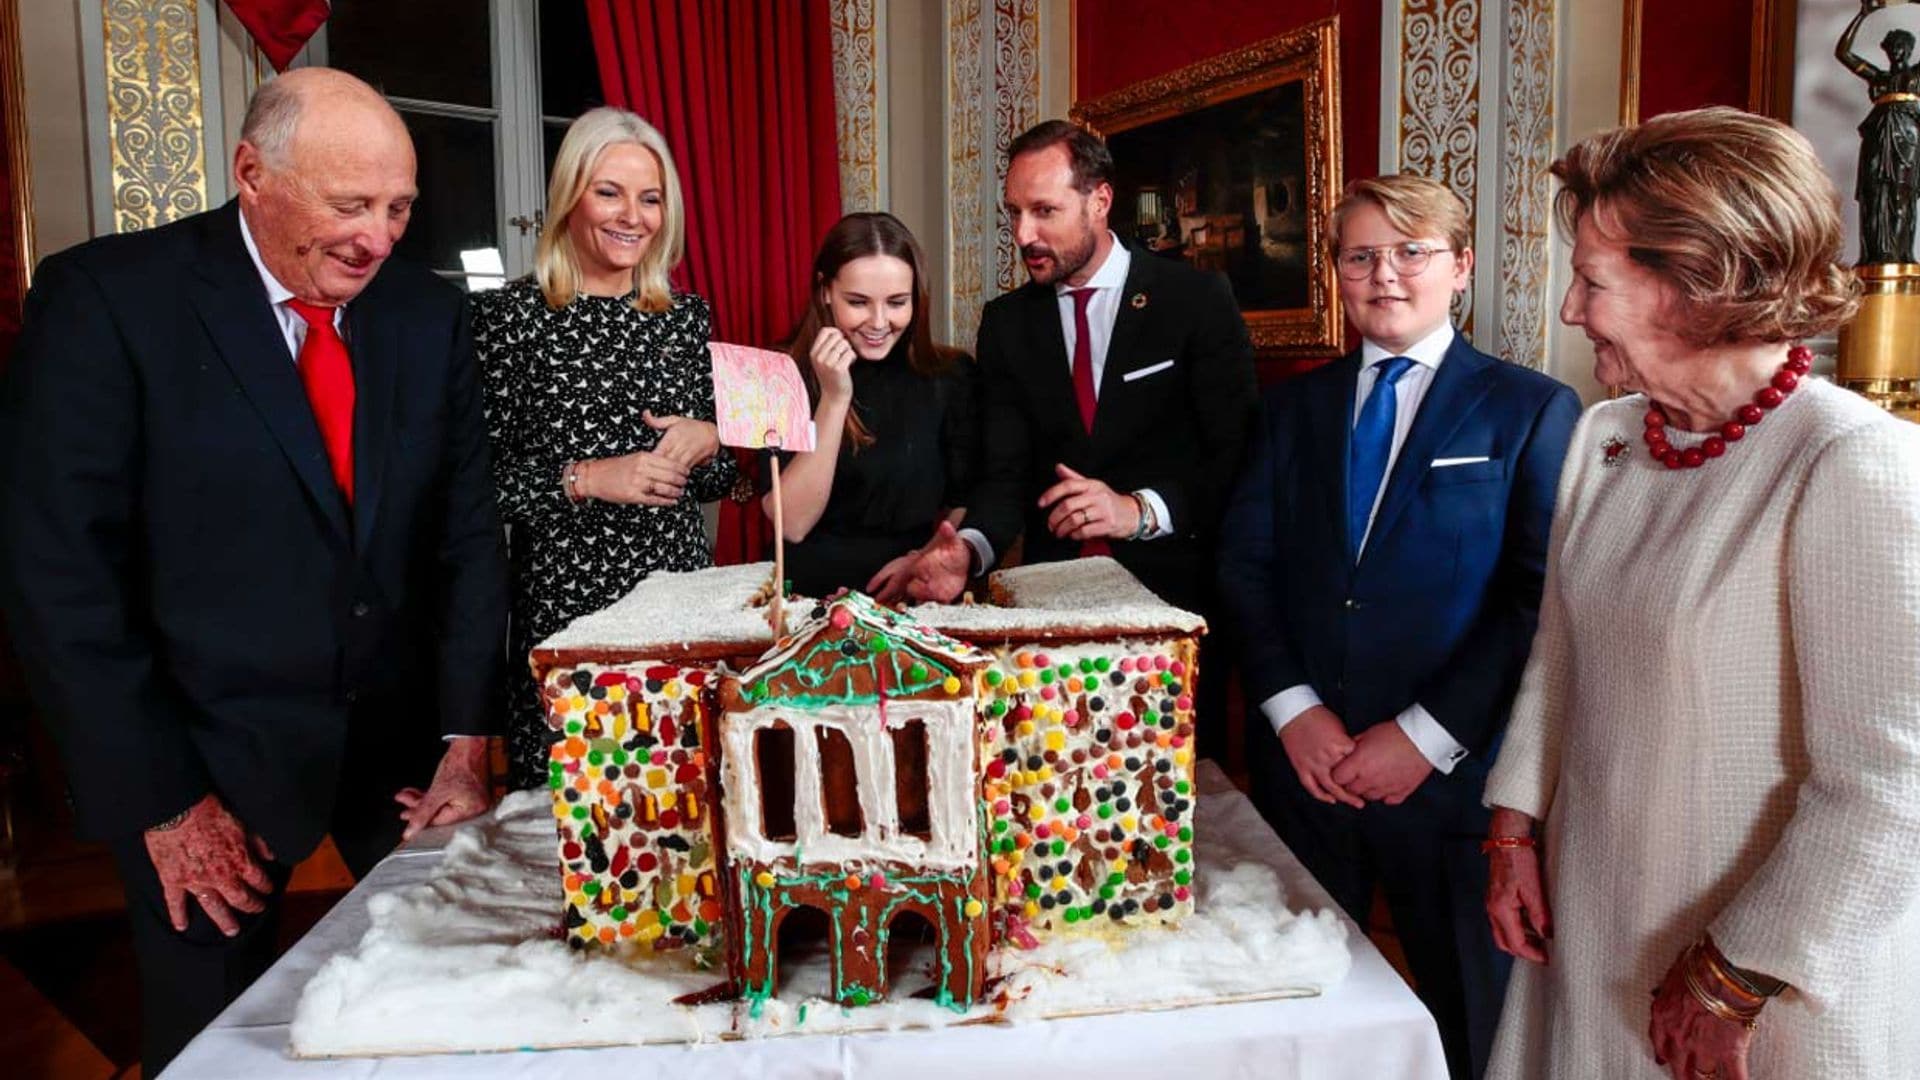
[[1370, 1027]]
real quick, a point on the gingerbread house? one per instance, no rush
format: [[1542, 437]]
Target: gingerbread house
[[1003, 770]]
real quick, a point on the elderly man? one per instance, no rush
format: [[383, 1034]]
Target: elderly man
[[250, 555], [1119, 385]]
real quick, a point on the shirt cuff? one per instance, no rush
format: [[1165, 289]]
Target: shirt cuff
[[1284, 707], [1432, 740], [1162, 521], [982, 551]]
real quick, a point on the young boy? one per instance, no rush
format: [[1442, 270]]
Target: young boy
[[1383, 556]]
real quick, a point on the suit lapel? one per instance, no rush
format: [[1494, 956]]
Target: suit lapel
[[375, 349], [1050, 368], [1329, 417], [1458, 386], [1126, 327], [232, 305]]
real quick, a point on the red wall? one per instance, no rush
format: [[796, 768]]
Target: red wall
[[1119, 42], [1693, 54]]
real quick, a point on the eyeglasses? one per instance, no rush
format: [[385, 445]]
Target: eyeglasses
[[1407, 260]]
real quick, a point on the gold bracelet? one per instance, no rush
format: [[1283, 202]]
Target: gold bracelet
[[1746, 1018], [1728, 986], [1752, 983], [1506, 843]]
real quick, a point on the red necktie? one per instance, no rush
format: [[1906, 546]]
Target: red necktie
[[1083, 387], [327, 374], [1083, 356]]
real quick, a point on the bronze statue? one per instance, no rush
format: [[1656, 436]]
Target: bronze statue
[[1889, 144]]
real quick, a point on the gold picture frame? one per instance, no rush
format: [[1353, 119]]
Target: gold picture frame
[[18, 233], [1232, 165]]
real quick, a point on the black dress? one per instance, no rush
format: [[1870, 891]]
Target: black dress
[[570, 385], [887, 497]]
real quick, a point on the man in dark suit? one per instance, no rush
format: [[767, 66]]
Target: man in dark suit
[[1118, 391], [1383, 554], [250, 554]]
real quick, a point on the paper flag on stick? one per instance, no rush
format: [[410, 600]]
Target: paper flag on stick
[[759, 400]]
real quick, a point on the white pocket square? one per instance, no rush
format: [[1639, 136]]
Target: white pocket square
[[1443, 462], [1150, 369]]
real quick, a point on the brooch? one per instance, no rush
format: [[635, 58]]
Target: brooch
[[1613, 452], [1139, 300]]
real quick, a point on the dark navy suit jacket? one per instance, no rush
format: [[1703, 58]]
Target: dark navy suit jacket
[[197, 606], [1441, 608]]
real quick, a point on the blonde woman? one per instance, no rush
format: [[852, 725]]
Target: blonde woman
[[599, 399]]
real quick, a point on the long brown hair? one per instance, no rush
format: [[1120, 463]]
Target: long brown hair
[[857, 236]]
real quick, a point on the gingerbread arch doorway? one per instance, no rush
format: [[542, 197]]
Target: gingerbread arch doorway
[[800, 951], [915, 942]]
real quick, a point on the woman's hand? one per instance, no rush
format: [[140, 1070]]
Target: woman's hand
[[1516, 895], [1690, 1042], [833, 358], [686, 440], [646, 478]]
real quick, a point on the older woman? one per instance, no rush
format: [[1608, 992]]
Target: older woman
[[1715, 756], [599, 399]]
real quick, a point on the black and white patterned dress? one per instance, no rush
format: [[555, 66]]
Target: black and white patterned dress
[[570, 385]]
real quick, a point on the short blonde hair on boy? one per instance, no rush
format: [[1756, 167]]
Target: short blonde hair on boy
[[1413, 205]]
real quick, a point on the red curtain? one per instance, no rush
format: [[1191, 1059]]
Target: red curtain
[[743, 92]]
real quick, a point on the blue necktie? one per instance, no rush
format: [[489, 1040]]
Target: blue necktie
[[1367, 453]]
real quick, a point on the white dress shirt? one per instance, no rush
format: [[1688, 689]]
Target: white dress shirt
[[292, 327], [1440, 749], [1103, 308]]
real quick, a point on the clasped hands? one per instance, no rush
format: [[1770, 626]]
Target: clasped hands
[[213, 858], [1381, 764], [656, 477]]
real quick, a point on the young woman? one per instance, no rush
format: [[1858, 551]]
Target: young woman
[[897, 429]]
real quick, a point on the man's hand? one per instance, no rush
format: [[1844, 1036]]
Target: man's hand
[[940, 573], [1385, 765], [459, 789], [683, 439], [1087, 509], [1316, 741], [890, 584], [206, 856]]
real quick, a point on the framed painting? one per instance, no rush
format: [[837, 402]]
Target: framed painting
[[1231, 165]]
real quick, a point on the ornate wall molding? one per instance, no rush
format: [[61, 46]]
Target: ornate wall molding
[[967, 164], [1440, 73], [993, 86], [1526, 148], [1016, 107], [154, 114], [860, 102]]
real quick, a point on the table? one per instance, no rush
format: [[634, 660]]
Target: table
[[1367, 1028]]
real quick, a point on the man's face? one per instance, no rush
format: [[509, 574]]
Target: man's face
[[326, 218], [1056, 228]]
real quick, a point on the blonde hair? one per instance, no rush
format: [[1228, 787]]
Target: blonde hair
[[1732, 209], [556, 265], [1413, 205]]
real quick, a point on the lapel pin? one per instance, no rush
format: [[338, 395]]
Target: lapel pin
[[1613, 453], [1139, 300]]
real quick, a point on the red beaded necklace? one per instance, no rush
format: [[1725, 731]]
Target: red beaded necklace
[[1765, 400]]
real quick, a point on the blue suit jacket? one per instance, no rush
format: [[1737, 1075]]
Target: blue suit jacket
[[1441, 608]]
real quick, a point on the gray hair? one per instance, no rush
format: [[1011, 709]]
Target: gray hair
[[272, 117]]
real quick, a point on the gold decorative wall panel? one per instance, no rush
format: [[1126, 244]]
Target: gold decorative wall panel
[[1440, 102], [858, 108], [1016, 107], [1526, 148], [967, 233], [155, 123]]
